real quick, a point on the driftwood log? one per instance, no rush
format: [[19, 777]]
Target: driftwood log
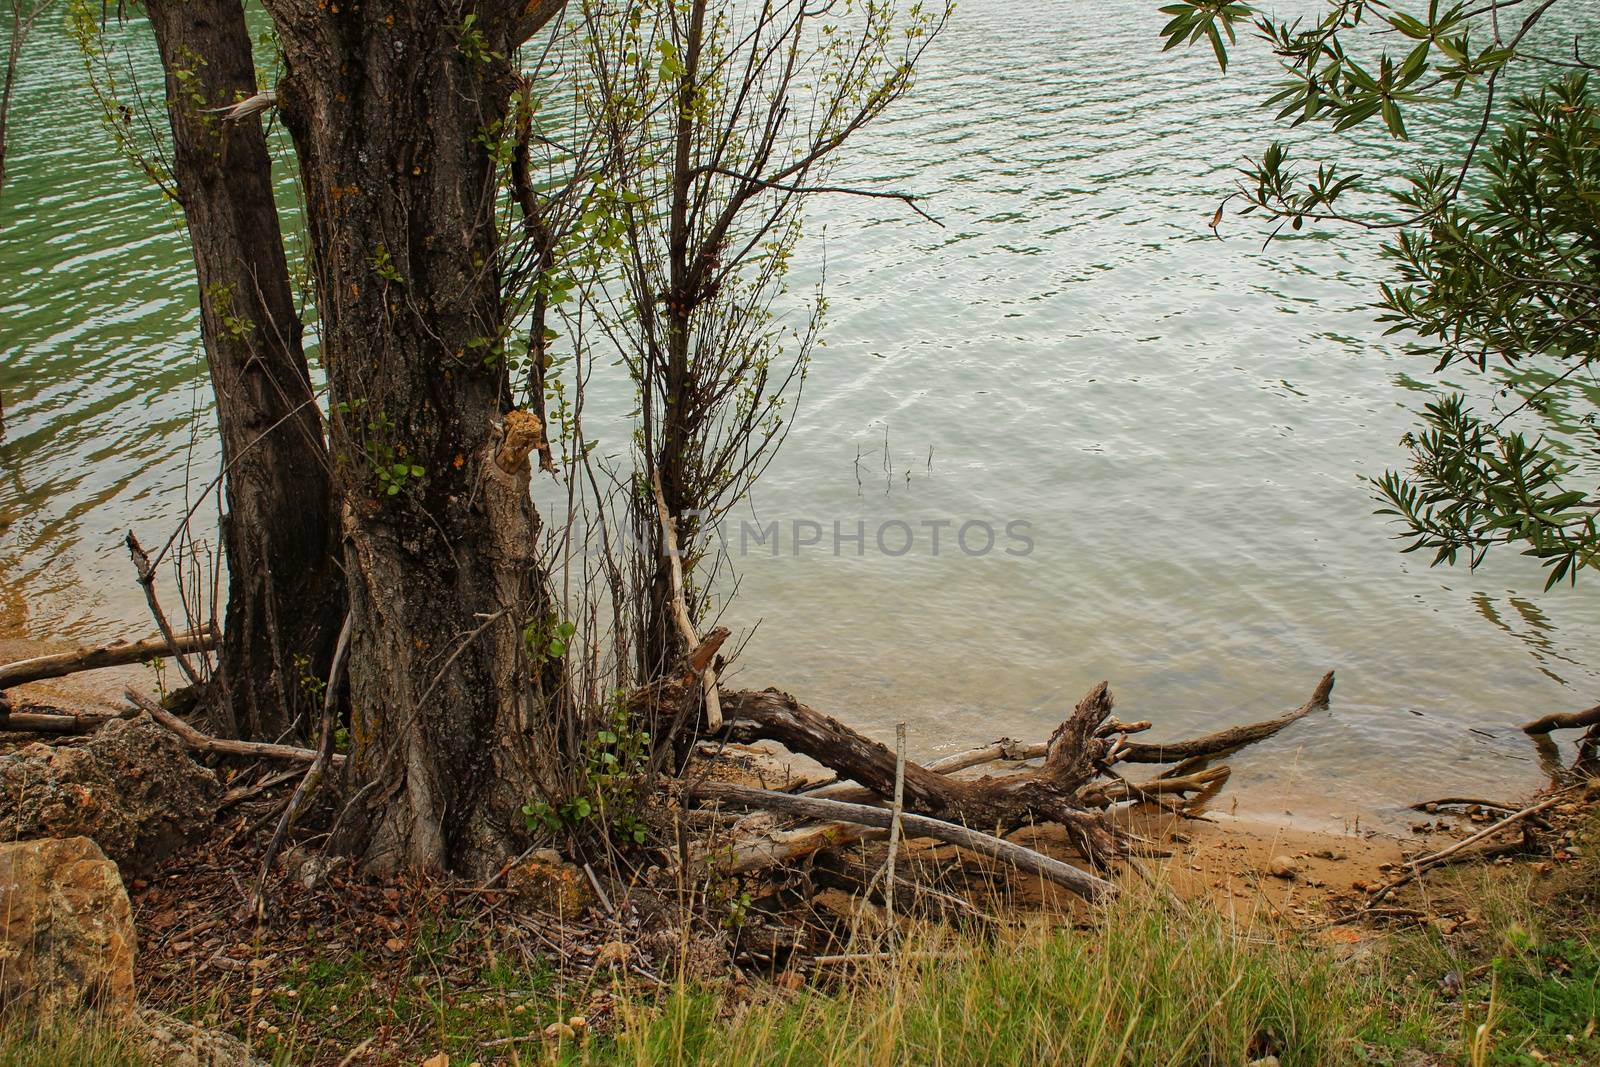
[[1086, 885], [116, 654], [1566, 720], [1071, 787], [57, 721]]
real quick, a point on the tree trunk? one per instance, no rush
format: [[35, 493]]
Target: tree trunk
[[399, 112], [285, 597], [661, 643]]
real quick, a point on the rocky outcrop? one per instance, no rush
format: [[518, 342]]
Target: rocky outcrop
[[66, 929], [131, 787]]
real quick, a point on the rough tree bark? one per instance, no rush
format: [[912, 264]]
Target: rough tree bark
[[397, 109], [285, 595]]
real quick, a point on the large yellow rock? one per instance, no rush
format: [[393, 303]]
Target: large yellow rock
[[66, 929]]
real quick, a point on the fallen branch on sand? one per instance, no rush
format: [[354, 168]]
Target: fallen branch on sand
[[1415, 868], [115, 654]]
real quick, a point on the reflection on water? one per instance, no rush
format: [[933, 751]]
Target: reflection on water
[[1532, 627], [1183, 423]]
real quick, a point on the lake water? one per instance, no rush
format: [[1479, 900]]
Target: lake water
[[1180, 425]]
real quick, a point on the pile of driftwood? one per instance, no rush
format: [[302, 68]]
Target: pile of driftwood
[[1071, 780], [1074, 779], [61, 664]]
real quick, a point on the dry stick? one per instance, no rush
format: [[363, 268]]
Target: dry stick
[[216, 745], [115, 654], [1467, 802], [1003, 749], [1083, 883], [1419, 865], [73, 722], [680, 607], [894, 825], [599, 891], [1112, 792], [314, 773], [147, 578], [872, 957], [245, 792], [1567, 720]]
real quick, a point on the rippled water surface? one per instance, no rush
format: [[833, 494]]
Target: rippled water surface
[[1182, 424]]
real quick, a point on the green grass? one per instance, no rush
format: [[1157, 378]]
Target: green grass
[[1150, 986], [337, 1003], [1520, 986], [1146, 985], [30, 1044]]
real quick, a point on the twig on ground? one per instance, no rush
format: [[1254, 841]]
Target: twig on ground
[[1417, 866]]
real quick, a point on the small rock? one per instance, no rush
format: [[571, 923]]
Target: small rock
[[1283, 867], [1265, 1061], [549, 883], [66, 929], [612, 952]]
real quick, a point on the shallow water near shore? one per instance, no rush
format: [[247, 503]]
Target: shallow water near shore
[[1176, 426]]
